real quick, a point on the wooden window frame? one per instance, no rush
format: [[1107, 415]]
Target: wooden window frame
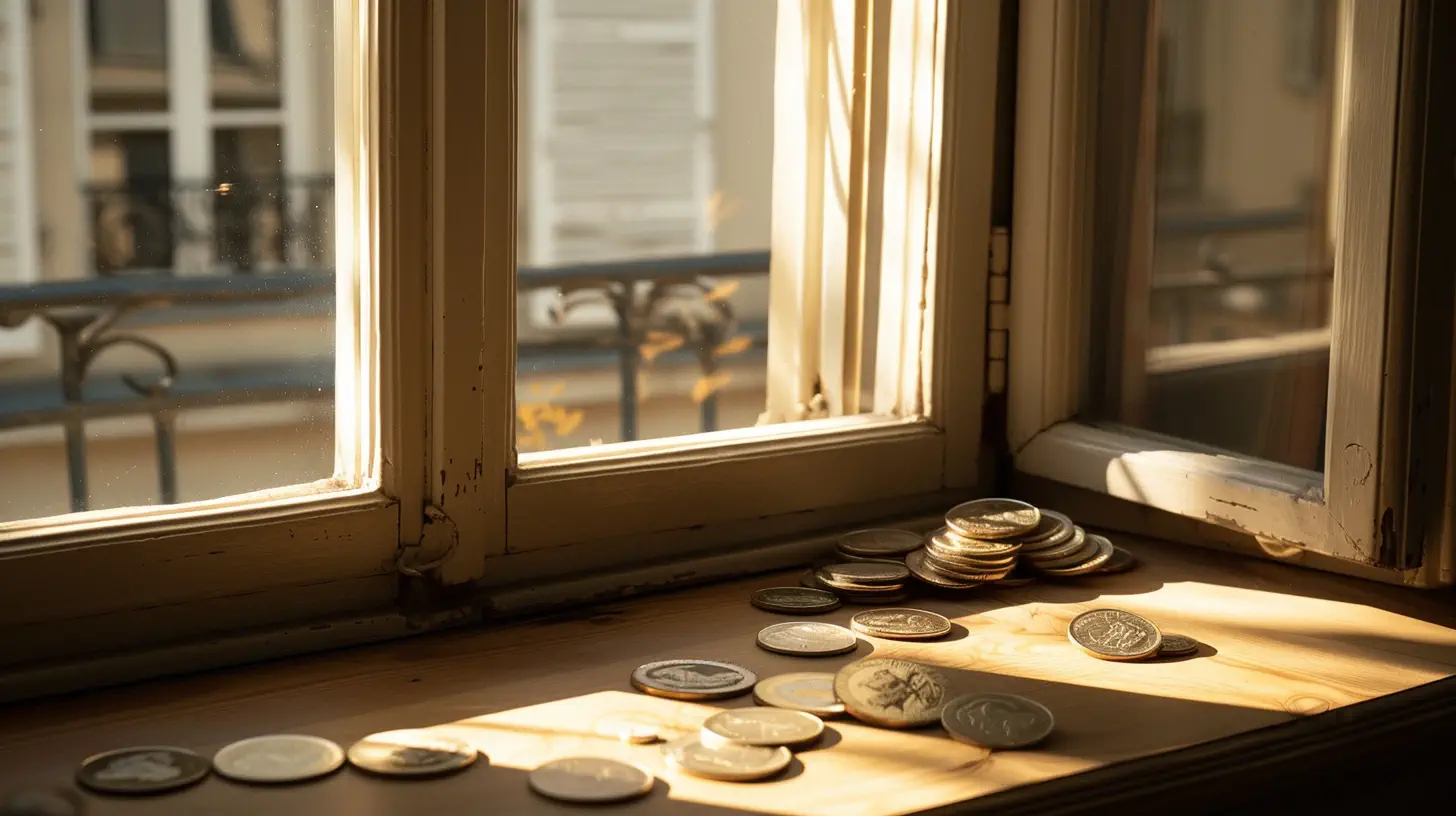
[[427, 495], [1336, 513]]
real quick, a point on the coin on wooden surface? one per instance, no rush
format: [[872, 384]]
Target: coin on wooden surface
[[762, 726], [892, 693], [1121, 561], [801, 691], [807, 638], [947, 541], [728, 761], [997, 721], [693, 679], [987, 519], [872, 573], [1077, 542], [1053, 529], [898, 623], [1175, 645], [881, 542], [590, 780], [410, 752], [278, 758], [1113, 634], [1101, 552], [795, 600], [143, 769]]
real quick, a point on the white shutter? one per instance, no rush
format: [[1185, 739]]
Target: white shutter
[[19, 256], [619, 96]]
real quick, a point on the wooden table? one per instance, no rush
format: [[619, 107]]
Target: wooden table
[[1281, 644]]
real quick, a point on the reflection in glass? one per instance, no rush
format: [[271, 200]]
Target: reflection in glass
[[127, 44], [245, 64]]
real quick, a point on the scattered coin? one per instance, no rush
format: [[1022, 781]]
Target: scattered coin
[[795, 600], [900, 624], [278, 758], [871, 573], [762, 726], [1113, 634], [590, 780], [627, 730], [728, 762], [801, 691], [892, 693], [693, 679], [141, 770], [1177, 645], [1121, 561], [879, 542], [997, 721], [992, 518], [808, 639], [410, 752], [953, 545]]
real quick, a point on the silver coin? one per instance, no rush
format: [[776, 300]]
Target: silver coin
[[992, 518], [880, 542], [590, 780], [278, 758], [141, 770], [801, 691], [892, 693], [1177, 645], [727, 761], [693, 679], [762, 726], [807, 639], [410, 752], [795, 600], [998, 721], [900, 624], [1113, 634]]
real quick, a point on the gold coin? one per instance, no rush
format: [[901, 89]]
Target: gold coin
[[800, 691], [900, 624], [727, 762], [762, 726], [590, 780], [1090, 565], [1113, 634], [989, 519], [1071, 545], [925, 569], [892, 693], [1121, 561], [953, 544], [1053, 529], [410, 752]]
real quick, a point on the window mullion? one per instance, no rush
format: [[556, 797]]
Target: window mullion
[[189, 75]]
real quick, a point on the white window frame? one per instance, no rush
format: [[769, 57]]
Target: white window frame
[[1335, 513], [426, 483]]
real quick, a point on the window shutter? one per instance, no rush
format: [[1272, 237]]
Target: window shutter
[[19, 256], [619, 150]]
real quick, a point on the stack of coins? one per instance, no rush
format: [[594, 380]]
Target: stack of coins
[[863, 582], [979, 544], [1113, 634]]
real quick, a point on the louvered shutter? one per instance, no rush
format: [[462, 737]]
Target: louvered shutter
[[19, 256], [619, 99]]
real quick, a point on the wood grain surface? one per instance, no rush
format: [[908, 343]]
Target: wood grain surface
[[1280, 644]]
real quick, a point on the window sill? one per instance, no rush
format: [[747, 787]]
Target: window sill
[[1283, 646]]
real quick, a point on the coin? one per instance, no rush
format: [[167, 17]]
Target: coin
[[638, 733], [921, 567], [1177, 645], [873, 573], [801, 691], [900, 624], [881, 542], [847, 557], [1053, 529], [795, 600], [1101, 552], [952, 544], [728, 761], [997, 721], [1113, 634], [1071, 545], [590, 780], [992, 518], [410, 752], [961, 566], [810, 580], [892, 693], [1121, 561], [693, 679], [807, 639], [144, 769], [278, 758], [762, 726]]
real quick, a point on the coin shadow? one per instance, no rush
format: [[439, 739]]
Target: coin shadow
[[793, 770], [1204, 650], [830, 738], [957, 632]]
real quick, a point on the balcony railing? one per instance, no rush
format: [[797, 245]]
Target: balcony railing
[[280, 265]]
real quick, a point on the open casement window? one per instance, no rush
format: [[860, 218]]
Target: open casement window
[[1208, 294]]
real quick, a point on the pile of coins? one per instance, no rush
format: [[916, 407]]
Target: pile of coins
[[1112, 634], [864, 582]]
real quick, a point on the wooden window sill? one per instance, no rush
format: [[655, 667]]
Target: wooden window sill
[[1301, 671]]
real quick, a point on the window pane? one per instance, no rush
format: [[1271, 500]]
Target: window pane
[[1218, 326], [244, 36], [644, 197], [139, 362]]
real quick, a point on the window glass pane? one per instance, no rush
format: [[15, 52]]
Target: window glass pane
[[1218, 326], [202, 387], [244, 37], [645, 186]]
